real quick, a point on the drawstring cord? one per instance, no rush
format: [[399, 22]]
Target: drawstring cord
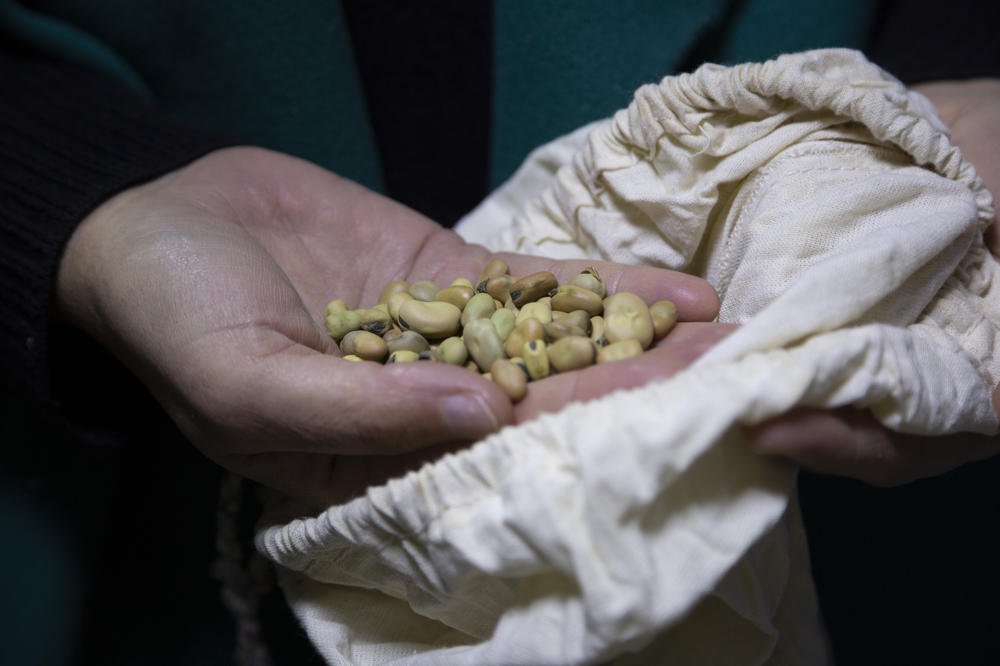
[[245, 578]]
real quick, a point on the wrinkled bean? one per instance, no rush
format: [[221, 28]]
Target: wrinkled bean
[[590, 280], [627, 316]]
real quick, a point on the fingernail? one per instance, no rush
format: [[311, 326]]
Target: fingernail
[[468, 416]]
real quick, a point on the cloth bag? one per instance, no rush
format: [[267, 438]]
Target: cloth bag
[[841, 228]]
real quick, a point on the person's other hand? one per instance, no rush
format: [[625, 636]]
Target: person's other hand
[[851, 442], [211, 282]]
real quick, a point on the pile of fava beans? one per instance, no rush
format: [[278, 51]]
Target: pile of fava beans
[[514, 330]]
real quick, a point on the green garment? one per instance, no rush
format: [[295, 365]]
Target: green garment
[[283, 76]]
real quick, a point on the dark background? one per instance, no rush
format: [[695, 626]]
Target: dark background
[[905, 575]]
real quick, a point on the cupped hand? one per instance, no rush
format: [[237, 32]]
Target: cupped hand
[[210, 284], [851, 442]]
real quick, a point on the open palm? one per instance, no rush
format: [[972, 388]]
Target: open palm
[[210, 284]]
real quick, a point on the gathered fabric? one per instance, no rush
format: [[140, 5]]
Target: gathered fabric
[[842, 229]]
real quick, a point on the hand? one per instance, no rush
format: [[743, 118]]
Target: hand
[[850, 442], [210, 284]]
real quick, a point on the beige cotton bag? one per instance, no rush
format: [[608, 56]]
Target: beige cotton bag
[[841, 228]]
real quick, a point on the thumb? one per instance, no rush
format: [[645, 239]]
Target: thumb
[[318, 403]]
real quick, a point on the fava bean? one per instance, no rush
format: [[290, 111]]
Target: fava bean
[[336, 305], [452, 350], [664, 315], [510, 378], [339, 324], [557, 330], [395, 301], [504, 321], [483, 343], [347, 342], [616, 351], [498, 287], [590, 280], [423, 290], [403, 356], [529, 329], [578, 318], [457, 296], [532, 287], [627, 316], [494, 268], [394, 287], [571, 297], [536, 359], [431, 319], [539, 311], [376, 321], [369, 346], [480, 306], [597, 331], [407, 341], [571, 353]]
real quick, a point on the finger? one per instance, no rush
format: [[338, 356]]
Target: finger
[[302, 400], [992, 238], [851, 442], [682, 346], [695, 298]]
